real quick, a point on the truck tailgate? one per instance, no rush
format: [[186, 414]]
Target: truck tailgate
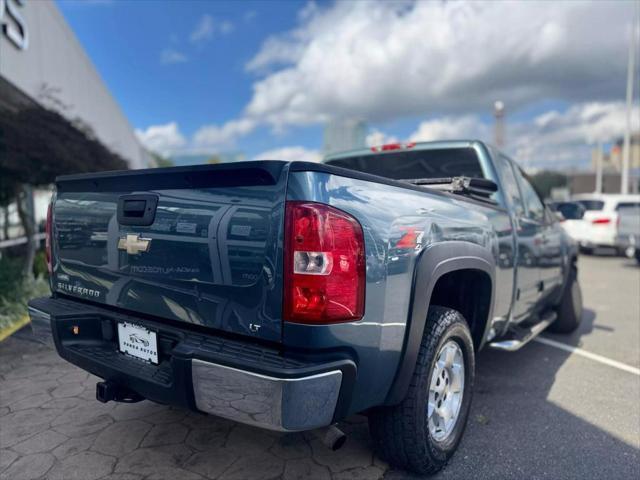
[[190, 244]]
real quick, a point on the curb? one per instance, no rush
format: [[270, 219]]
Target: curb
[[10, 330]]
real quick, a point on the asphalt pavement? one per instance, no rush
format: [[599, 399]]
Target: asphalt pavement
[[563, 410]]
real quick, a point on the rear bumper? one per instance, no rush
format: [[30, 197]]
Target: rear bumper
[[238, 380], [626, 241], [597, 237], [287, 404]]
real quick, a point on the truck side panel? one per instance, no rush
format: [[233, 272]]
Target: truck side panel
[[400, 225]]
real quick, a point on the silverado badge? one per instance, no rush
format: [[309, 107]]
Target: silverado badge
[[134, 244]]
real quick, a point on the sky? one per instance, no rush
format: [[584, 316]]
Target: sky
[[264, 77]]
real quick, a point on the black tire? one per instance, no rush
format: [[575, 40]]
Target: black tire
[[586, 250], [570, 308], [400, 433]]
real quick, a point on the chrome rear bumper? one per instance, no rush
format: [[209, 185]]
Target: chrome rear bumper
[[41, 326], [262, 388], [267, 402]]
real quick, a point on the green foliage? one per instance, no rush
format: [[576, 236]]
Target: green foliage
[[546, 180], [39, 144], [161, 161], [40, 265], [10, 273], [16, 291]]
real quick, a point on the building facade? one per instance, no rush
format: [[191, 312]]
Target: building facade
[[42, 64], [341, 135]]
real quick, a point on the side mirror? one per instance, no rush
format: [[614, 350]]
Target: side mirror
[[559, 216]]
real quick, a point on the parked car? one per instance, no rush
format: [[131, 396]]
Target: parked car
[[600, 226], [571, 217], [628, 238], [290, 295]]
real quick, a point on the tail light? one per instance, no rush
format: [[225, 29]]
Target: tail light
[[47, 240], [324, 277], [601, 221]]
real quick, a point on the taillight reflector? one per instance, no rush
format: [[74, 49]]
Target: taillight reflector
[[47, 241], [601, 221], [324, 279]]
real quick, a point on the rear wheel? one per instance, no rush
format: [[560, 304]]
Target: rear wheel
[[424, 430], [570, 309]]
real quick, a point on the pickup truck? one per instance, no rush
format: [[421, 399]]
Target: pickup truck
[[290, 295]]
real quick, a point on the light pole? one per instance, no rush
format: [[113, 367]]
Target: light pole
[[599, 168], [498, 113], [631, 70]]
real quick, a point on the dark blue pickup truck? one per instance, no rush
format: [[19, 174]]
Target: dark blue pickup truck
[[289, 295]]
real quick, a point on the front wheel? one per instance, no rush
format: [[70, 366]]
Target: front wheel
[[424, 430]]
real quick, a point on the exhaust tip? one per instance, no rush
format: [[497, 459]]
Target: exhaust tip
[[334, 438]]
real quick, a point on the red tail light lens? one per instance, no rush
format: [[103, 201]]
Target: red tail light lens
[[393, 146], [48, 229], [324, 277], [601, 221]]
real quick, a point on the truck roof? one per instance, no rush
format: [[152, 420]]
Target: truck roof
[[400, 146]]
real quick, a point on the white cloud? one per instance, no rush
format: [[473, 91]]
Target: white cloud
[[170, 56], [226, 27], [377, 138], [207, 27], [162, 139], [291, 154], [552, 139], [222, 136], [249, 15], [381, 60], [451, 128], [559, 139], [203, 30]]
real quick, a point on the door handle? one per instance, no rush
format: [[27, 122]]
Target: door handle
[[137, 209]]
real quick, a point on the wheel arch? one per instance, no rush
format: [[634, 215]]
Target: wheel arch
[[433, 265]]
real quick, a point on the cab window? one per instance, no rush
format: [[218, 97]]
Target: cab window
[[532, 202], [510, 186]]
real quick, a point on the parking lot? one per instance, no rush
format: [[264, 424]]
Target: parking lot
[[546, 411]]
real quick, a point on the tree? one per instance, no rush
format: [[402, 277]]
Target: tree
[[38, 144], [160, 161], [546, 180]]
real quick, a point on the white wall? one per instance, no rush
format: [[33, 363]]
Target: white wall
[[55, 57]]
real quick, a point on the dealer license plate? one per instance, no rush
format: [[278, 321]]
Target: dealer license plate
[[138, 342]]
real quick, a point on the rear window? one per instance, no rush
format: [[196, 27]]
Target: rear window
[[404, 165], [627, 205], [570, 210], [591, 204]]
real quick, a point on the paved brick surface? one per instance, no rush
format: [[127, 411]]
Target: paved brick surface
[[537, 413], [51, 427]]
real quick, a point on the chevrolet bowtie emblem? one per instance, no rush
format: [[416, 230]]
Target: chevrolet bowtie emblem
[[134, 244]]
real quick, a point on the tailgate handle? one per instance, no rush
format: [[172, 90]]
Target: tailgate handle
[[137, 209]]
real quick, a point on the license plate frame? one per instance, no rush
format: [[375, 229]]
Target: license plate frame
[[138, 342]]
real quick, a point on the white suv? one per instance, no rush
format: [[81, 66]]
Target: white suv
[[600, 220]]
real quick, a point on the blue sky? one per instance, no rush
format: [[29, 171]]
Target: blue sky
[[126, 40], [264, 76]]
